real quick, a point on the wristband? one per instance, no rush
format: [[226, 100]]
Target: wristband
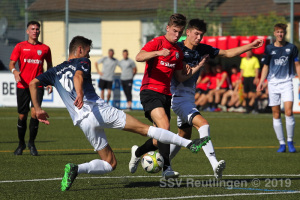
[[12, 71]]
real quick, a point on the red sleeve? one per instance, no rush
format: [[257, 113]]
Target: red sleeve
[[49, 56], [151, 46], [15, 53]]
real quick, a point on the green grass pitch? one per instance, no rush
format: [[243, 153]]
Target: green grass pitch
[[247, 142]]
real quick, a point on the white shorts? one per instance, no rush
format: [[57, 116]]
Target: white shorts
[[184, 108], [280, 91], [101, 117]]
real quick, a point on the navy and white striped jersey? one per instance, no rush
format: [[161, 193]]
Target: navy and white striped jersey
[[281, 61], [192, 58], [61, 77]]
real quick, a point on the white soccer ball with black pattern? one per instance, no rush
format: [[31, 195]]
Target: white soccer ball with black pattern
[[152, 162]]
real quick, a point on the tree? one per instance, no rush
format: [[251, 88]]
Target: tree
[[259, 25], [190, 10]]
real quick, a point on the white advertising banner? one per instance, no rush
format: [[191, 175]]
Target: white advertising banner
[[118, 99], [8, 97]]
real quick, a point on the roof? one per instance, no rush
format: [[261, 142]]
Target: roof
[[227, 8]]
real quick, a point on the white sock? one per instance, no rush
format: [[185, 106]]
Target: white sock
[[208, 148], [290, 126], [174, 149], [277, 125], [167, 137], [96, 166]]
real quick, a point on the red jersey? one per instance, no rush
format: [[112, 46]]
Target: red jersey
[[235, 77], [220, 76], [212, 81], [203, 86], [159, 70], [31, 59]]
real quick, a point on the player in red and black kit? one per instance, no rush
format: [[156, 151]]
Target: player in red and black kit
[[163, 58], [30, 56]]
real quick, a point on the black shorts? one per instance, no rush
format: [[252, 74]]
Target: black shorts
[[24, 98], [151, 100], [103, 84], [201, 91], [127, 87], [249, 86]]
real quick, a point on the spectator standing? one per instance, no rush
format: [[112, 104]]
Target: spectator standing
[[109, 64], [249, 71], [128, 71]]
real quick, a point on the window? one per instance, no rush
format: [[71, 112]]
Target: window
[[90, 30]]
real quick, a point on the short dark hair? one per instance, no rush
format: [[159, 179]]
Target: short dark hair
[[79, 41], [280, 26], [125, 50], [198, 24], [111, 50], [33, 23], [177, 20]]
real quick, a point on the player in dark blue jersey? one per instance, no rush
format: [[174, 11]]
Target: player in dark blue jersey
[[72, 79], [280, 61], [183, 93]]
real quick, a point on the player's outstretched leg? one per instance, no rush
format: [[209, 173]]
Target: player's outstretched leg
[[71, 172]]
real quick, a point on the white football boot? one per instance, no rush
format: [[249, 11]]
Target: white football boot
[[134, 161], [218, 170]]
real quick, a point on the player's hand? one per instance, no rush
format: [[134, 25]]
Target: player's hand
[[42, 116], [186, 70], [49, 89], [78, 101], [259, 87], [204, 60], [257, 43], [165, 52], [17, 76]]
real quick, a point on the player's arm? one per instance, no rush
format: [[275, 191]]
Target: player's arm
[[98, 71], [134, 70], [239, 50], [40, 114], [78, 84], [224, 76], [264, 73], [187, 71], [13, 69], [297, 66], [143, 55]]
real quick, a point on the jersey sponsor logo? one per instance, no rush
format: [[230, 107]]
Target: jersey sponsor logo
[[177, 55], [281, 61], [33, 61], [167, 64], [273, 53], [39, 52], [65, 68]]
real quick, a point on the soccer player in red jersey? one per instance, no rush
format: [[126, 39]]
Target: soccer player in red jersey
[[30, 56], [163, 59]]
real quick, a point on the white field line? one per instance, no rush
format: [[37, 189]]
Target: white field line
[[223, 195], [134, 177]]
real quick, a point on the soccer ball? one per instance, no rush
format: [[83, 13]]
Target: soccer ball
[[152, 162]]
